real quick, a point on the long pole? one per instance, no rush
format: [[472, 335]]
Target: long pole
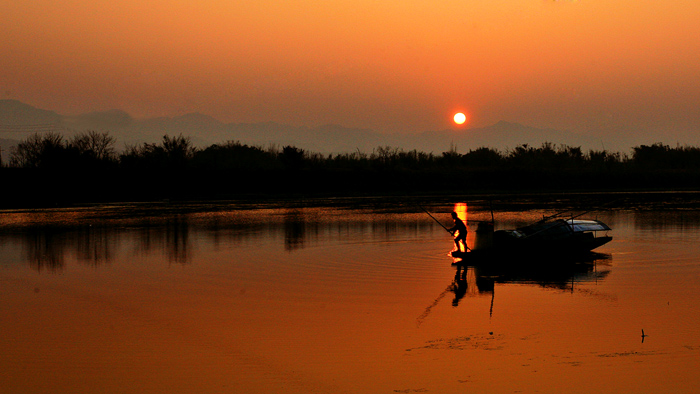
[[438, 222]]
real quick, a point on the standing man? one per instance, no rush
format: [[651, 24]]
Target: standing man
[[461, 230]]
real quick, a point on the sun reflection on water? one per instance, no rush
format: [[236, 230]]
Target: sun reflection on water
[[330, 299]]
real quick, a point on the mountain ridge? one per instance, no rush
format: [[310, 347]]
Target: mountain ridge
[[205, 130]]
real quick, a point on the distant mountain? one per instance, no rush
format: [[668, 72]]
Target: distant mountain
[[14, 114], [323, 139], [100, 120], [17, 118], [193, 123], [334, 138], [502, 136]]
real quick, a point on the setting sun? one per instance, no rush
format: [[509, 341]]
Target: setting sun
[[460, 118]]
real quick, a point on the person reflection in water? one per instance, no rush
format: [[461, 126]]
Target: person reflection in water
[[461, 230], [459, 286]]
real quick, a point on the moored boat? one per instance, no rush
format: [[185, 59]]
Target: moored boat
[[554, 237]]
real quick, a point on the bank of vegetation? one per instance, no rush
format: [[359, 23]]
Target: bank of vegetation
[[47, 169]]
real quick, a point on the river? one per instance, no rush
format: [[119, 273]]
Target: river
[[340, 296]]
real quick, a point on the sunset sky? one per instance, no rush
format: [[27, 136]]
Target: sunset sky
[[607, 66]]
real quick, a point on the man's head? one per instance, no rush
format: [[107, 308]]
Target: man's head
[[454, 215]]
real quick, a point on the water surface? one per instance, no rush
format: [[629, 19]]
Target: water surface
[[349, 297]]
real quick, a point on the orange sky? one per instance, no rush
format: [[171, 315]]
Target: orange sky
[[583, 65]]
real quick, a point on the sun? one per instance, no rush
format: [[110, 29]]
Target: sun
[[460, 118]]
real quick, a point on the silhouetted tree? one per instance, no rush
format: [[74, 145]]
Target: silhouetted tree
[[38, 151], [94, 145], [603, 160], [662, 157], [654, 156], [292, 157], [482, 157], [232, 155], [174, 153], [385, 155], [178, 150]]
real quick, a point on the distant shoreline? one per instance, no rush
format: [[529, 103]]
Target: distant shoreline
[[48, 171], [511, 201]]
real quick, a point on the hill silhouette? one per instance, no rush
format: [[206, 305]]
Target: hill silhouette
[[14, 113], [205, 130]]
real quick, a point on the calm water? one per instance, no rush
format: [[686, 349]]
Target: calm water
[[344, 298]]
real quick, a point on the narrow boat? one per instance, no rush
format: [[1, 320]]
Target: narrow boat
[[554, 237]]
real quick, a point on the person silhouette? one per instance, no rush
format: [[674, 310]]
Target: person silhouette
[[461, 230]]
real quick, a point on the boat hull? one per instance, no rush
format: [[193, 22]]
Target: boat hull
[[520, 249]]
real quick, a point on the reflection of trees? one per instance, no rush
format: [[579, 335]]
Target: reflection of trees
[[100, 236], [95, 245], [177, 240], [172, 236], [48, 247], [677, 221], [294, 230], [301, 227], [44, 250]]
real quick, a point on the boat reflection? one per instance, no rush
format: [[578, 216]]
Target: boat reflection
[[562, 273]]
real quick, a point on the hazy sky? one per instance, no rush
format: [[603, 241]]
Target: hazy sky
[[613, 65]]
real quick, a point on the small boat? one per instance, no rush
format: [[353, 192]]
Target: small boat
[[544, 238]]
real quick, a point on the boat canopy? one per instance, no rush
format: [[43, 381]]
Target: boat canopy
[[587, 225]]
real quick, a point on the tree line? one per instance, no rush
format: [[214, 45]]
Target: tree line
[[88, 168]]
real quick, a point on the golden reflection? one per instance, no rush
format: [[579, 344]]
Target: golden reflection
[[461, 211]]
